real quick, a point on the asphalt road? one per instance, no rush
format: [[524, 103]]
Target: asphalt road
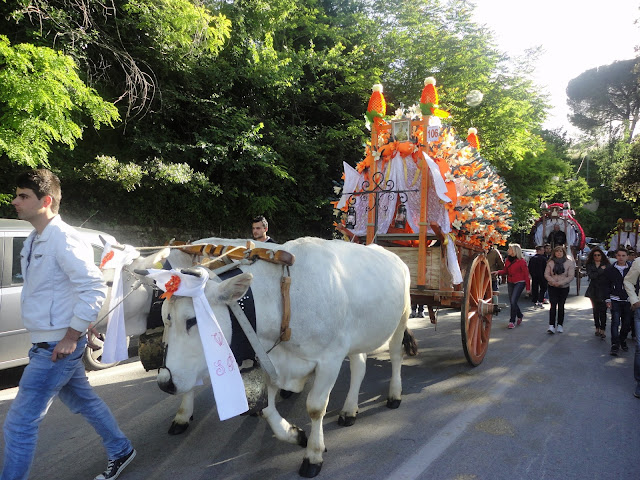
[[540, 407]]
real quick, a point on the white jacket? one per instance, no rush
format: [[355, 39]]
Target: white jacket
[[62, 285], [630, 280]]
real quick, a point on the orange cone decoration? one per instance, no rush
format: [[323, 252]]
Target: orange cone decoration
[[472, 138], [429, 93], [429, 99], [377, 105]]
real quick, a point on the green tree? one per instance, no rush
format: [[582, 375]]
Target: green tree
[[40, 96], [606, 98]]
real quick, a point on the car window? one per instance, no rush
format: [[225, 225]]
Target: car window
[[97, 254], [16, 269]]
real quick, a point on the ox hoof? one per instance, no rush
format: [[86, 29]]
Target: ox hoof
[[177, 428], [308, 469], [302, 438], [346, 420], [285, 393], [393, 403]]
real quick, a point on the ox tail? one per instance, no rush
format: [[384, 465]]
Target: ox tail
[[410, 343]]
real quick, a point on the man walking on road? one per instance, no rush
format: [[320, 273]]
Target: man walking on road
[[617, 300], [62, 294], [632, 285], [537, 266]]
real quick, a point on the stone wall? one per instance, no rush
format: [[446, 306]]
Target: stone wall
[[141, 236]]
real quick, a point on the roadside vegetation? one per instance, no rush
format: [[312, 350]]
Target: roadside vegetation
[[183, 113]]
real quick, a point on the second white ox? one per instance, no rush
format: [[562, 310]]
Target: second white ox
[[346, 300]]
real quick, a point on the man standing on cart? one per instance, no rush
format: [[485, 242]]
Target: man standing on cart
[[557, 237]]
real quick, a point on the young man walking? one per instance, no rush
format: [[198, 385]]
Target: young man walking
[[62, 294], [537, 266], [617, 300], [632, 285]]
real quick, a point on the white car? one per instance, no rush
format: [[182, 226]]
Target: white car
[[15, 341], [527, 253]]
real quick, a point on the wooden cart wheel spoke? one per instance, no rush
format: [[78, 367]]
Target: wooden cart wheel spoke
[[477, 310], [473, 325]]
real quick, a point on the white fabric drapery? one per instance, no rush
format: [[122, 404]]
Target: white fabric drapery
[[115, 347], [403, 175]]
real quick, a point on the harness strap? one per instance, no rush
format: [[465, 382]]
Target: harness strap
[[263, 358], [285, 284]]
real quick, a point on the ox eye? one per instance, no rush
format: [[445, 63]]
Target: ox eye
[[191, 322]]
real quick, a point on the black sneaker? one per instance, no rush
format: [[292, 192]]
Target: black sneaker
[[624, 347], [115, 467], [614, 350]]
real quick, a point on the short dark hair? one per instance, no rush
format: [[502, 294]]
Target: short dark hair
[[622, 249], [43, 182], [261, 219], [547, 245], [539, 247]]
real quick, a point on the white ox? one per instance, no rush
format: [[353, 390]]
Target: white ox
[[346, 300]]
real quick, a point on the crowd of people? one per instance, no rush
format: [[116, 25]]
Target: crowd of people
[[613, 287]]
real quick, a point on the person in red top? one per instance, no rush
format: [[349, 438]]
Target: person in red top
[[515, 268]]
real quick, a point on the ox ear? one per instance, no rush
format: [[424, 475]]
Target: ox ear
[[143, 263], [230, 290]]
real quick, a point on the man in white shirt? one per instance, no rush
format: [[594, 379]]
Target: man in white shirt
[[62, 294], [631, 284]]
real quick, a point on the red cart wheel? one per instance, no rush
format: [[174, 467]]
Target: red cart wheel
[[477, 310]]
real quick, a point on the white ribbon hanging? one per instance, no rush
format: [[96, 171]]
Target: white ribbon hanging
[[115, 345], [228, 387]]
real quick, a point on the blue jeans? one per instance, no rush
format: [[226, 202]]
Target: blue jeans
[[514, 290], [41, 381], [620, 319], [636, 358]]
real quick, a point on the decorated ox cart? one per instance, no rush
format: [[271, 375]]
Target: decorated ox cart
[[562, 216], [626, 233], [428, 196]]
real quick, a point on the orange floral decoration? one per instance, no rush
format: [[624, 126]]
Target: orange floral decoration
[[171, 286], [106, 258]]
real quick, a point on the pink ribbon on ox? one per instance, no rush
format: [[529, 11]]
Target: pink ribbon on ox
[[228, 387]]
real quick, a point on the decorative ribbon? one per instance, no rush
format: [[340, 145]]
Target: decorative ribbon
[[448, 236], [228, 388], [115, 344]]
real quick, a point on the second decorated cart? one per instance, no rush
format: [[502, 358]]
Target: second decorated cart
[[428, 196], [562, 215]]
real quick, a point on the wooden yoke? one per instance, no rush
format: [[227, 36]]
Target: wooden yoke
[[226, 254], [278, 257]]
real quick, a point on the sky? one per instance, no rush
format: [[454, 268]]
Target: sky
[[575, 36]]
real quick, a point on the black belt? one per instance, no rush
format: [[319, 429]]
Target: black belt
[[44, 345]]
